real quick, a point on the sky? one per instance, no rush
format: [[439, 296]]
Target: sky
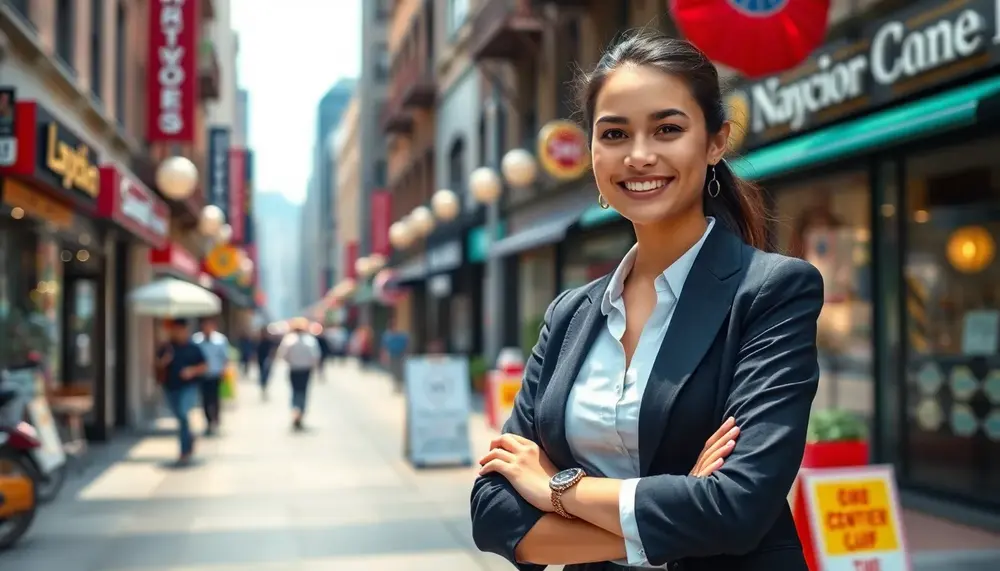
[[288, 59]]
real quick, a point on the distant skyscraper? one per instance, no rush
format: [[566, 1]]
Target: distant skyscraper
[[275, 218], [319, 221]]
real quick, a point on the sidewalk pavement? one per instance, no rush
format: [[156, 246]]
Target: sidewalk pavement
[[339, 496]]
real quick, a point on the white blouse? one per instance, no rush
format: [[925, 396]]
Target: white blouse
[[602, 413]]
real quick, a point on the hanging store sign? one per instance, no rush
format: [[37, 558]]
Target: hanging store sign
[[218, 169], [913, 50], [172, 81], [223, 261], [133, 206], [563, 150]]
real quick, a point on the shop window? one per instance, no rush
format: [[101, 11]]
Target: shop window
[[952, 321], [827, 222], [536, 289], [594, 256]]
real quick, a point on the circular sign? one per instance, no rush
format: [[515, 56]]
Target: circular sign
[[759, 7], [562, 150], [223, 261]]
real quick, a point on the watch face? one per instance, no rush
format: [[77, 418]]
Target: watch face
[[566, 477]]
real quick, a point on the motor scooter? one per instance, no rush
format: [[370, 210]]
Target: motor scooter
[[48, 460], [18, 493]]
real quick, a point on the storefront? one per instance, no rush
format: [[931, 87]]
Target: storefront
[[60, 263], [142, 222], [879, 157]]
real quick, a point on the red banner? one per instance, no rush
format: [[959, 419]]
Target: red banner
[[133, 206], [237, 194], [351, 256], [172, 74], [381, 219]]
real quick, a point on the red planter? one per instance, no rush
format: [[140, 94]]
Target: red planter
[[835, 454], [823, 455]]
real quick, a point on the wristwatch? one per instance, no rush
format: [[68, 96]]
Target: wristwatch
[[561, 482]]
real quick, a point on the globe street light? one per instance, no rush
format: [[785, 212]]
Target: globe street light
[[400, 235], [177, 178], [422, 220], [485, 185], [361, 266], [445, 205], [375, 263], [212, 219], [225, 234], [519, 168]]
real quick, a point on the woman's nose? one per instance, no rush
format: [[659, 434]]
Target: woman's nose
[[640, 155]]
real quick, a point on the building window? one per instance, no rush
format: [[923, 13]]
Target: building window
[[951, 335], [383, 62], [96, 55], [826, 221], [21, 7], [458, 11], [64, 32], [120, 43]]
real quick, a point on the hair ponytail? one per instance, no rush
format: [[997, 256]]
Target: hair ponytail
[[739, 206]]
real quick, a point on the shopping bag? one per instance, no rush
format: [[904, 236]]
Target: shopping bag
[[227, 388]]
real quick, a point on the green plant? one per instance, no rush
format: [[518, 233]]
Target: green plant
[[25, 333], [529, 334], [835, 425], [478, 367]]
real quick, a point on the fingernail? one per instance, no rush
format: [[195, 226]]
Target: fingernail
[[730, 444]]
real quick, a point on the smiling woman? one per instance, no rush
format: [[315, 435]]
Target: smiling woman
[[672, 426]]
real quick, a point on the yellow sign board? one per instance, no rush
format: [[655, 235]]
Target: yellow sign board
[[855, 519], [73, 165], [508, 393]]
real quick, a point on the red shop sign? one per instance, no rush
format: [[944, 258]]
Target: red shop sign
[[174, 259], [172, 81], [132, 206]]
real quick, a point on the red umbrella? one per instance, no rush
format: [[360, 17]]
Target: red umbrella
[[755, 37]]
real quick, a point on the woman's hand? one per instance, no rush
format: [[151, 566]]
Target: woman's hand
[[716, 449], [525, 466]]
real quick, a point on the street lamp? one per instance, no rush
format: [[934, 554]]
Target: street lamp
[[519, 168], [361, 266], [422, 220], [445, 205], [225, 234], [485, 185], [375, 263], [177, 178], [400, 235], [212, 220]]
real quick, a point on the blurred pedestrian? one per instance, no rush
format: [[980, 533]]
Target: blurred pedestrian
[[179, 364], [394, 346], [300, 350], [266, 346], [215, 345], [337, 338]]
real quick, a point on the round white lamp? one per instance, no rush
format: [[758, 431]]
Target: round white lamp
[[361, 266], [422, 220], [212, 220], [445, 205], [375, 263], [225, 234], [484, 183], [177, 178], [399, 235], [519, 168], [246, 265]]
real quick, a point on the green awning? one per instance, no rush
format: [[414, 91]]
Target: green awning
[[947, 111]]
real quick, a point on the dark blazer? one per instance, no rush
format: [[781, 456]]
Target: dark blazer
[[742, 343]]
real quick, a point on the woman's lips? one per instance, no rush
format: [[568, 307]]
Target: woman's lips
[[646, 187]]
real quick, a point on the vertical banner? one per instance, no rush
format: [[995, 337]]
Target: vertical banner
[[8, 122], [351, 256], [381, 219], [172, 73], [218, 170], [248, 194], [237, 192]]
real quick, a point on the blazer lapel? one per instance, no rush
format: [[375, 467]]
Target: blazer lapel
[[703, 306], [581, 332]]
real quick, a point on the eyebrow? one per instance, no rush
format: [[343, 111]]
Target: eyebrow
[[656, 116]]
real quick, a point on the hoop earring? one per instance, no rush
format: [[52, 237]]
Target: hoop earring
[[602, 201], [714, 187]]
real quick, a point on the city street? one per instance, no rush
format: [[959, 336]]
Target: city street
[[337, 497]]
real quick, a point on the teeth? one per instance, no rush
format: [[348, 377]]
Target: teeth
[[645, 186]]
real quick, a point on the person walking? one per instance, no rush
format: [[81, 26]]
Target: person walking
[[215, 345], [265, 355], [179, 364], [300, 350], [394, 345]]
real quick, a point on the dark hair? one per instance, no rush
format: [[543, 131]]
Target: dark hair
[[739, 205]]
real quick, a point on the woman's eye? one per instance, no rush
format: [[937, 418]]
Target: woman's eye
[[613, 134], [668, 130]]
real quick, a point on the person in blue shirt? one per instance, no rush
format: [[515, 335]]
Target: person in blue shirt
[[179, 364], [394, 345], [215, 346]]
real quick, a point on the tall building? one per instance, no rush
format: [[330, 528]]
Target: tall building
[[319, 218], [278, 270]]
